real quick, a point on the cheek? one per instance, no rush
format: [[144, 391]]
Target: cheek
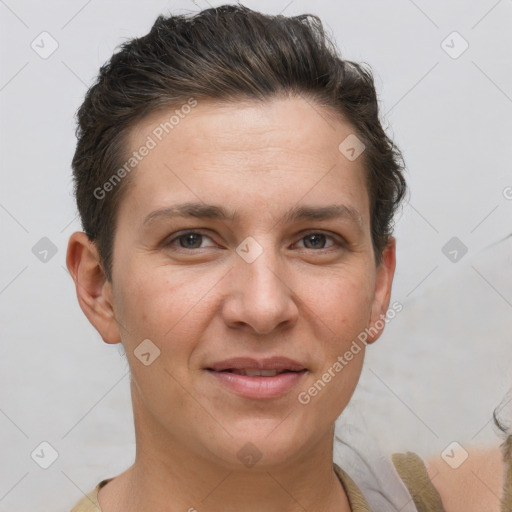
[[344, 302], [350, 304], [165, 306]]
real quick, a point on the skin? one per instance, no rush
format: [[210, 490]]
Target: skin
[[475, 485], [200, 305]]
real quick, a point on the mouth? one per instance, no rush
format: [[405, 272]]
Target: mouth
[[258, 379], [250, 364], [255, 372]]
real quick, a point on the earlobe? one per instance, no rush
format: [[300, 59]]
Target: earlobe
[[382, 296], [94, 291]]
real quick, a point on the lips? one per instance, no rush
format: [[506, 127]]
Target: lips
[[254, 372], [251, 365], [258, 378]]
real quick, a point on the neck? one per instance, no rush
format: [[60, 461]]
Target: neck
[[167, 476]]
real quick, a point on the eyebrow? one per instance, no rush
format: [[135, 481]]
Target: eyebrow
[[200, 210]]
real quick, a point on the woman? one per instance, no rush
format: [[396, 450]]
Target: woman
[[237, 192]]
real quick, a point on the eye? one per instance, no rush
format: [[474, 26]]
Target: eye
[[187, 240], [190, 240], [316, 240]]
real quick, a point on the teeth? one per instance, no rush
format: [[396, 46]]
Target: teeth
[[256, 373]]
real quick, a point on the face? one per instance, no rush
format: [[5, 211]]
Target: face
[[271, 268]]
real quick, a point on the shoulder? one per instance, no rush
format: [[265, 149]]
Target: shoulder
[[475, 484], [89, 502], [414, 474]]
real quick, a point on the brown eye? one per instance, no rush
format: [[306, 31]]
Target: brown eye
[[188, 240], [316, 240]]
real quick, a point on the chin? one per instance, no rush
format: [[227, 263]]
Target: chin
[[263, 445]]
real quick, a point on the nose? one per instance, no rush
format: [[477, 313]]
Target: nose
[[261, 298]]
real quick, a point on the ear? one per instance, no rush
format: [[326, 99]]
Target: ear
[[383, 283], [93, 290]]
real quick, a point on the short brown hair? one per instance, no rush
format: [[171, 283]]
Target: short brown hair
[[226, 53]]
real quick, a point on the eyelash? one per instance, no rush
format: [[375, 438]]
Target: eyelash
[[169, 242]]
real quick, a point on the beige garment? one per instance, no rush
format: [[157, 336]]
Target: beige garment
[[506, 501], [409, 466]]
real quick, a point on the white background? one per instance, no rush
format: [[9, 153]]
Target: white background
[[443, 364]]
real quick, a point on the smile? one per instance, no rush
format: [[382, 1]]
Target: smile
[[258, 384]]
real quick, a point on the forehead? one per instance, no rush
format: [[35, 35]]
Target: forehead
[[276, 152]]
